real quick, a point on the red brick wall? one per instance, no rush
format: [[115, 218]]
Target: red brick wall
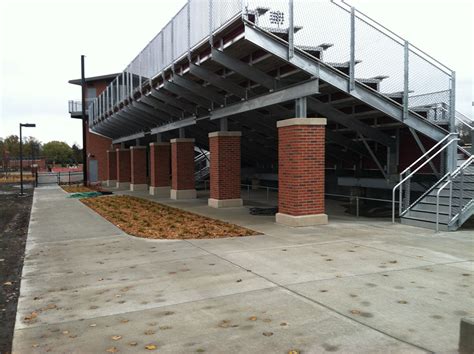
[[111, 165], [160, 167], [123, 165], [182, 164], [225, 167], [97, 146], [301, 169], [138, 164]]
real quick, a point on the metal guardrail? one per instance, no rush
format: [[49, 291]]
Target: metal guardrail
[[357, 44], [443, 145], [460, 171]]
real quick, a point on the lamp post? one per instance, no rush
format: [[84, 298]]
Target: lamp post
[[26, 125]]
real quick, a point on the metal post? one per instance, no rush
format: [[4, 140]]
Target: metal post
[[223, 123], [357, 206], [189, 30], [21, 162], [84, 123], [301, 110], [352, 54], [211, 41], [268, 192], [291, 31], [461, 191], [405, 80], [452, 148], [248, 191], [59, 177]]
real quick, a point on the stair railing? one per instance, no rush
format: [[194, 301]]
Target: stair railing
[[452, 139], [451, 177], [470, 125]]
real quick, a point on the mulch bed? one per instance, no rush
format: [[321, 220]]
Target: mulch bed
[[147, 219], [78, 188], [14, 220]]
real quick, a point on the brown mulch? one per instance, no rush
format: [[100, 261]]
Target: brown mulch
[[148, 219], [78, 188]]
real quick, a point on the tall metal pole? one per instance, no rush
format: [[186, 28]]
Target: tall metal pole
[[84, 123], [21, 162]]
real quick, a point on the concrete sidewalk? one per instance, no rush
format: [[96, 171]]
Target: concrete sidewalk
[[349, 286]]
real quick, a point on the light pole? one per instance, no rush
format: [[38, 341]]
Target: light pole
[[26, 125]]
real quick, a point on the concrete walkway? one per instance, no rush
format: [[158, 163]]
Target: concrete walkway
[[350, 286]]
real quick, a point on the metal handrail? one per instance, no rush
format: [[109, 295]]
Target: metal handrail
[[453, 175], [410, 175], [426, 153]]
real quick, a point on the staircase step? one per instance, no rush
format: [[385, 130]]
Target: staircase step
[[443, 200], [467, 194], [427, 216], [431, 207], [424, 224]]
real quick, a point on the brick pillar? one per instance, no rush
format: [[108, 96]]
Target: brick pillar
[[182, 169], [160, 182], [301, 172], [111, 168], [138, 168], [225, 169], [123, 168]]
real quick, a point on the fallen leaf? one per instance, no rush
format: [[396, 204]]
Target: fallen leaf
[[402, 302], [355, 312], [93, 325], [267, 320], [239, 280], [116, 337], [149, 332], [124, 321], [150, 347], [393, 262], [267, 334], [293, 352], [65, 332], [253, 318], [73, 336], [165, 327], [112, 350], [133, 344], [35, 345], [7, 283], [283, 324]]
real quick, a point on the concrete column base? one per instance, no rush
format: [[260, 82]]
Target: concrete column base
[[160, 191], [224, 203], [122, 185], [110, 183], [302, 220], [183, 194], [466, 336], [138, 187]]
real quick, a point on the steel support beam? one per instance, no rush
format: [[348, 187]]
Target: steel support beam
[[374, 157], [174, 125], [161, 106], [341, 82], [173, 101], [197, 89], [244, 69], [163, 117], [423, 150], [217, 81], [346, 120], [186, 94], [287, 94]]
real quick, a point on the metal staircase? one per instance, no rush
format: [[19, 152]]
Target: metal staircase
[[449, 202]]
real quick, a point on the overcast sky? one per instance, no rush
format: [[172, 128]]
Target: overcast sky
[[41, 42]]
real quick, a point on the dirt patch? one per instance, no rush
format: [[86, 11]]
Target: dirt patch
[[14, 220], [147, 219]]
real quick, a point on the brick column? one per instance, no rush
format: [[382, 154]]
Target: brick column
[[225, 169], [160, 182], [111, 168], [123, 168], [301, 172], [138, 168], [182, 169]]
